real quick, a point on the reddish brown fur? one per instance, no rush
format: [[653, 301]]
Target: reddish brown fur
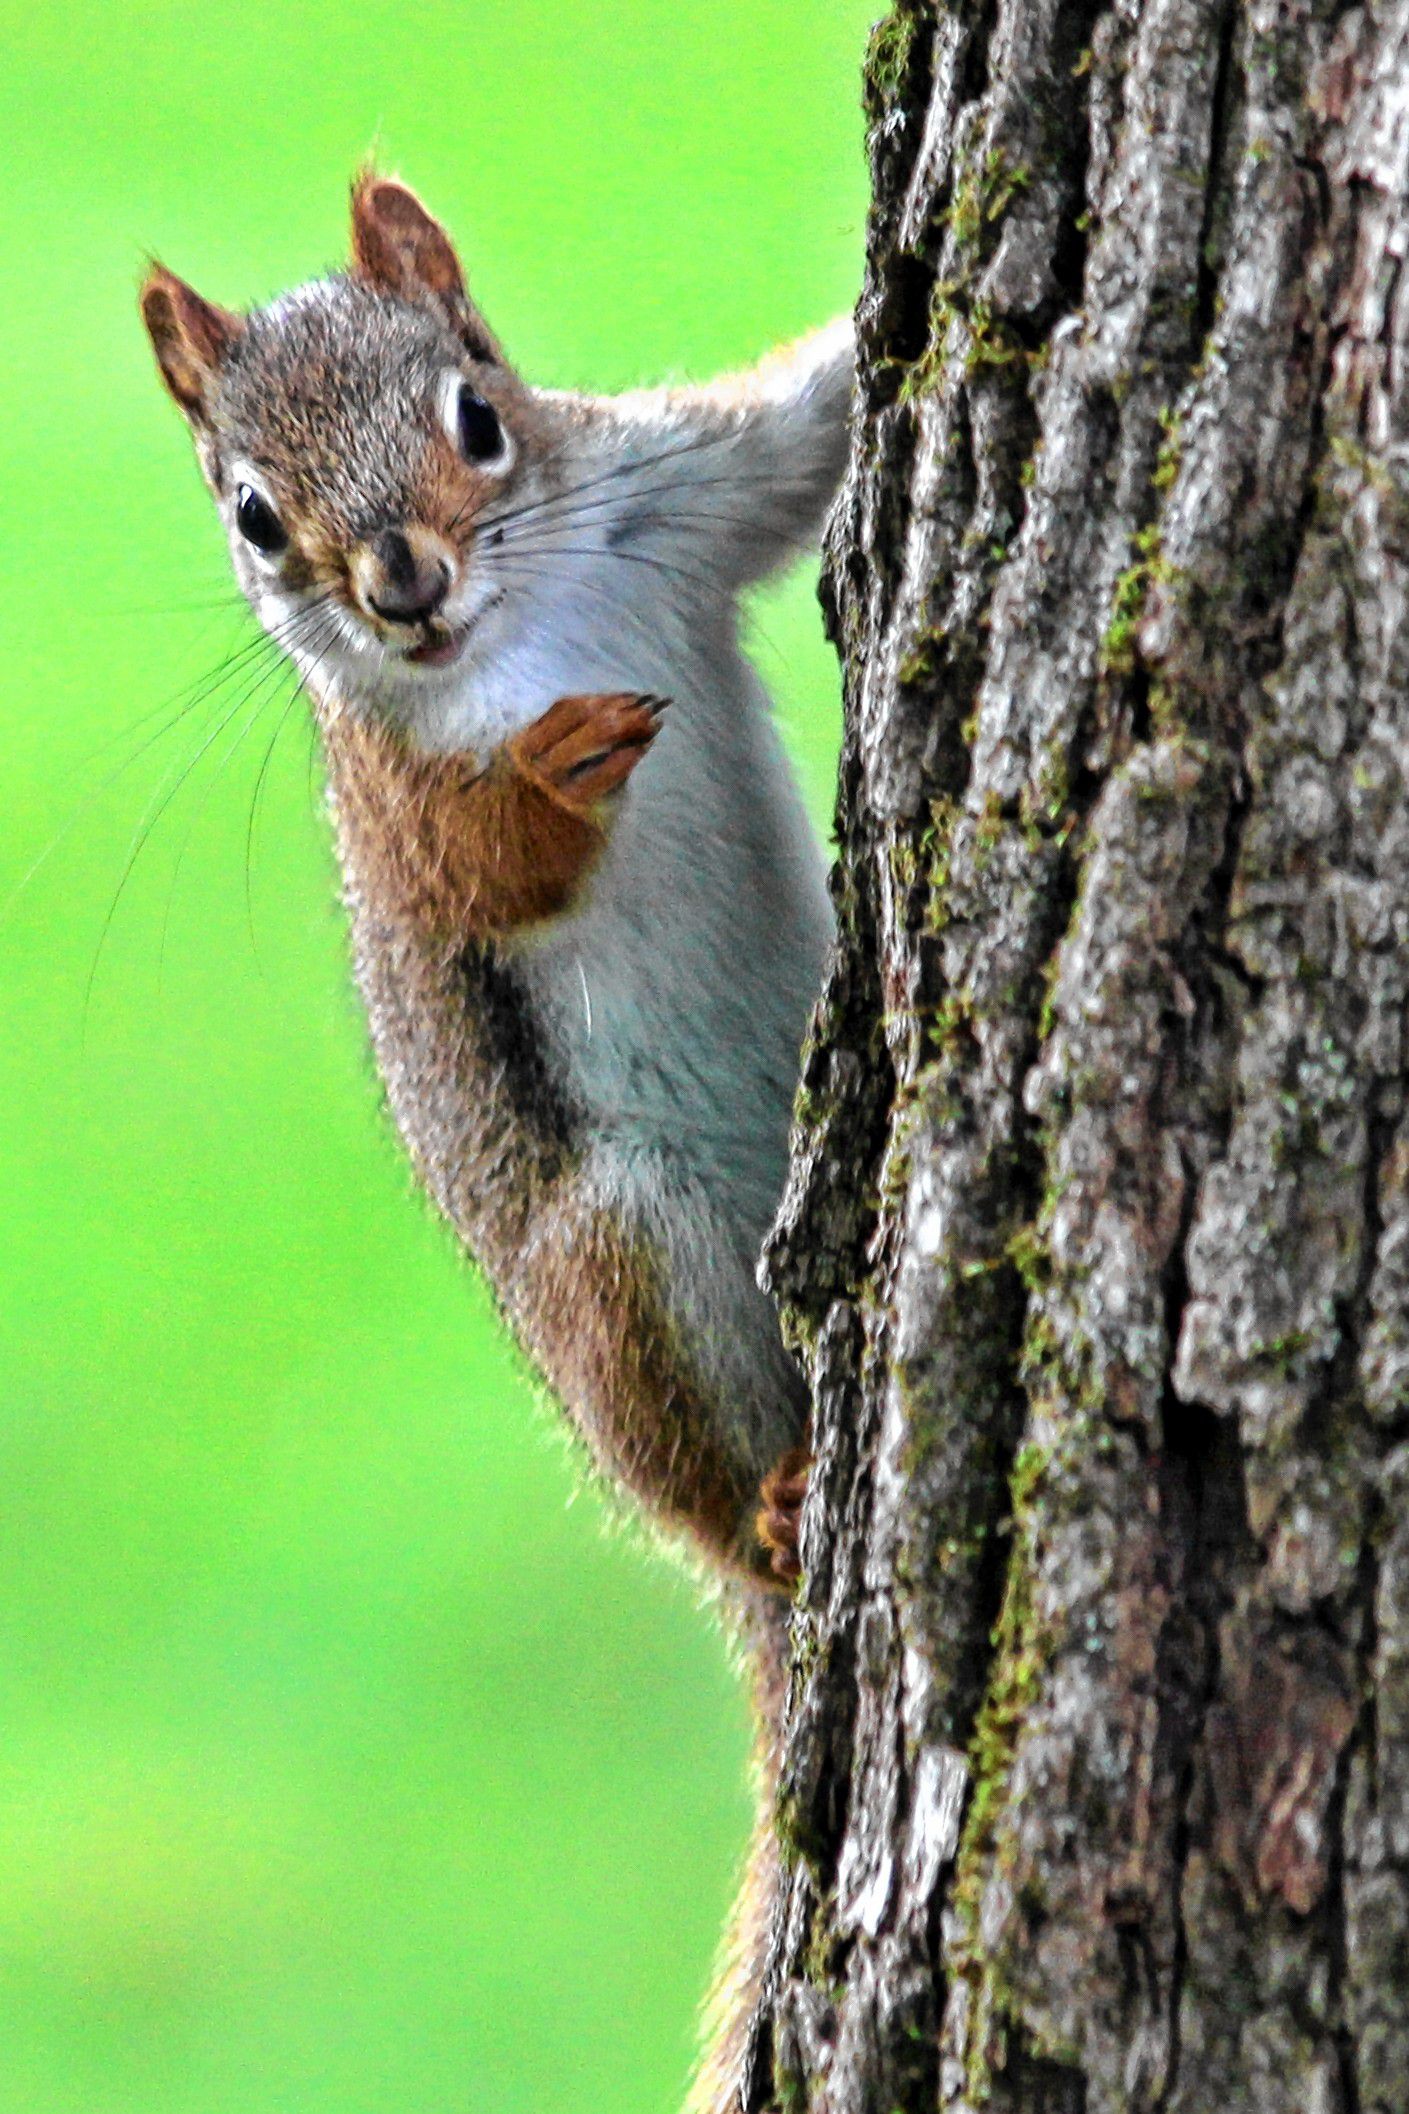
[[400, 248], [190, 337], [782, 1495], [396, 245], [662, 1437], [466, 851], [445, 497]]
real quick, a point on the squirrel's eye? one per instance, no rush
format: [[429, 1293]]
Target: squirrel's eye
[[477, 427], [258, 523]]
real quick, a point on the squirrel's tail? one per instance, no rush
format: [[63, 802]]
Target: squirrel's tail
[[724, 2076]]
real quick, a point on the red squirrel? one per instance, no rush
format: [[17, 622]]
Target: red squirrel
[[587, 929]]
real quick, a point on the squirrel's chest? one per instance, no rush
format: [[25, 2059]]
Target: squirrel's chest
[[654, 1028]]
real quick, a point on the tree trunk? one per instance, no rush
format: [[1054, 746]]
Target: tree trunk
[[1095, 1788]]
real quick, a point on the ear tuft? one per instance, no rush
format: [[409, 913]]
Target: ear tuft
[[191, 338], [398, 246]]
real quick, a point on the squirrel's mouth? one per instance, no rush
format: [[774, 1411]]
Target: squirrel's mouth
[[439, 653], [447, 646]]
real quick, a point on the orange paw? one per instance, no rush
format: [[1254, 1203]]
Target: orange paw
[[780, 1514], [585, 747]]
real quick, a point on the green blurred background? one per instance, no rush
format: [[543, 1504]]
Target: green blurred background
[[347, 1765]]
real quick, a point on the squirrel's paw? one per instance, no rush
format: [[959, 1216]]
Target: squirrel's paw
[[585, 747], [780, 1513]]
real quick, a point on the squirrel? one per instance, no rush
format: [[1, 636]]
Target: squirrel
[[589, 918]]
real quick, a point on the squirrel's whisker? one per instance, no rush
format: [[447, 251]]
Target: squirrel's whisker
[[151, 816], [524, 566], [196, 605], [205, 685], [543, 555], [691, 445], [319, 649], [715, 590], [256, 693], [558, 511], [167, 791], [256, 648], [688, 446], [258, 689]]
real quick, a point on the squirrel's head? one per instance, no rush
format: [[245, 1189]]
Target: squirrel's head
[[356, 435]]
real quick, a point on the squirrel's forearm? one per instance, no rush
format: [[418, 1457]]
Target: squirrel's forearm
[[471, 851], [735, 477]]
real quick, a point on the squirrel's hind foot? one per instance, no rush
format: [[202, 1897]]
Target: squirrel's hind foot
[[780, 1513]]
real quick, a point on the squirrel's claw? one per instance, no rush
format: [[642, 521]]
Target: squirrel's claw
[[782, 1492], [583, 748]]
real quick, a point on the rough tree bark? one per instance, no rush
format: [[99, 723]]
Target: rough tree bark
[[1096, 1783]]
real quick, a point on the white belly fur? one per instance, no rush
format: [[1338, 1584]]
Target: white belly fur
[[677, 996]]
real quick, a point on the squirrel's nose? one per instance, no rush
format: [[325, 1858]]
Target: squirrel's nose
[[403, 575]]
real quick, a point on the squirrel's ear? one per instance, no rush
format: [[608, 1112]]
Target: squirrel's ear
[[400, 248], [191, 338]]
